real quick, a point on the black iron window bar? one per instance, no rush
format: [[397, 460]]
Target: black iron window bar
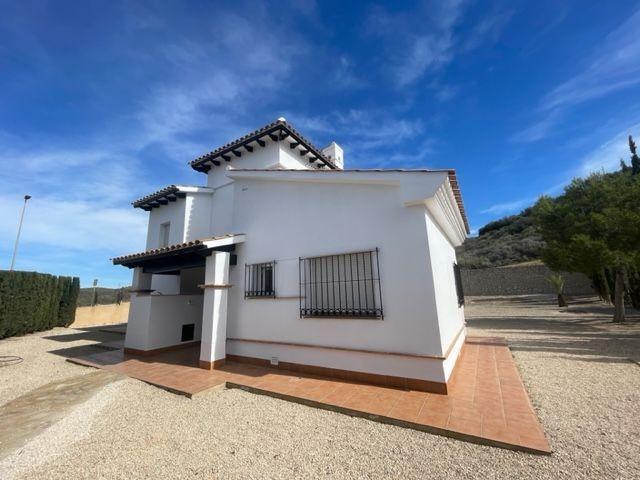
[[260, 280], [344, 285]]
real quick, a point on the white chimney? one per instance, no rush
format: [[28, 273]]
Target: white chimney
[[334, 152]]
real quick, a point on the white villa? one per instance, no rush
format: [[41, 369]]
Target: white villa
[[286, 258]]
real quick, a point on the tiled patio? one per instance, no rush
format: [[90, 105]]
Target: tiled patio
[[487, 403]]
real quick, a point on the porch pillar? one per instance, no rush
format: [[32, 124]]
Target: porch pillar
[[214, 311]]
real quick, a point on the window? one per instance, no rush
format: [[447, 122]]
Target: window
[[164, 234], [458, 276], [259, 280], [345, 285]]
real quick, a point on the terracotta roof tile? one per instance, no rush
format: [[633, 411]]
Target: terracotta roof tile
[[278, 125], [169, 248]]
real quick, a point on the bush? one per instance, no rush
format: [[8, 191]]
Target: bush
[[31, 302]]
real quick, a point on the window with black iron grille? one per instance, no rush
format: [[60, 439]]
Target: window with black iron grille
[[345, 285], [459, 291], [259, 280]]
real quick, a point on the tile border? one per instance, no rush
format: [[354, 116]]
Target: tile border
[[155, 351], [349, 375], [356, 350]]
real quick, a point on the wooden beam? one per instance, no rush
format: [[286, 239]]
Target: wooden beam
[[273, 137], [181, 194], [293, 145], [163, 201], [172, 198], [283, 134], [237, 153], [154, 204], [303, 152], [216, 162], [262, 143], [313, 159], [248, 147], [146, 209], [227, 158]]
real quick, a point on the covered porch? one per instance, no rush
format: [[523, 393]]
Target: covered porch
[[179, 299]]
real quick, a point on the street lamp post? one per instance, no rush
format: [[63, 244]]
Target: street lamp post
[[15, 247]]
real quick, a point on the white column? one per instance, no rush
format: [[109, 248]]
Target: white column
[[214, 311]]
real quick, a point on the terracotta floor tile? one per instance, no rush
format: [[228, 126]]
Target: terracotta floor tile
[[486, 395], [438, 420], [465, 425]]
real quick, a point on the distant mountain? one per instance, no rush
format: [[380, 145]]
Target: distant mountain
[[510, 240]]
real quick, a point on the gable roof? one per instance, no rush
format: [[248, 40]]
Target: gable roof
[[275, 131]]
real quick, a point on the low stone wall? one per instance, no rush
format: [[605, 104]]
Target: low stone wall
[[101, 315], [520, 280]]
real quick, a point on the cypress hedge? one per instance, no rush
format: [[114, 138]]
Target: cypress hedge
[[32, 302]]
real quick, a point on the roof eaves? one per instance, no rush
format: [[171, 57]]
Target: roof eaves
[[276, 131]]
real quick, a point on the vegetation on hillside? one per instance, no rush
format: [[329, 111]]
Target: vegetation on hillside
[[594, 228], [510, 240], [106, 296]]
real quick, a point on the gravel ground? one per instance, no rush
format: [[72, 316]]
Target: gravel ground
[[574, 365], [39, 367]]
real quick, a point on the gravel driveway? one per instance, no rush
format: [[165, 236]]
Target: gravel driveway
[[575, 365]]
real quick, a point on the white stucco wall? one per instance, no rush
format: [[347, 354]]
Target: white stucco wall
[[442, 256], [289, 220], [173, 212], [197, 216], [155, 321], [222, 210]]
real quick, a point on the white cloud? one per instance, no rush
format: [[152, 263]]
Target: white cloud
[[607, 156], [613, 67], [369, 137], [200, 89], [508, 207], [423, 41]]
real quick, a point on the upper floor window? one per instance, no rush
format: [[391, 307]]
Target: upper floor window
[[345, 285], [164, 234], [259, 280]]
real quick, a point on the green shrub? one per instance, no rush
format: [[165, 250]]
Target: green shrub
[[31, 302]]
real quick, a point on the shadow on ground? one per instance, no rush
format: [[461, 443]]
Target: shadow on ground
[[102, 339], [534, 323]]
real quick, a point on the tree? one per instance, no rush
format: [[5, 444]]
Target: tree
[[557, 282], [594, 228], [635, 160]]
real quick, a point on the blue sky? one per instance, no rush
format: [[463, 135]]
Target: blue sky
[[103, 102]]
